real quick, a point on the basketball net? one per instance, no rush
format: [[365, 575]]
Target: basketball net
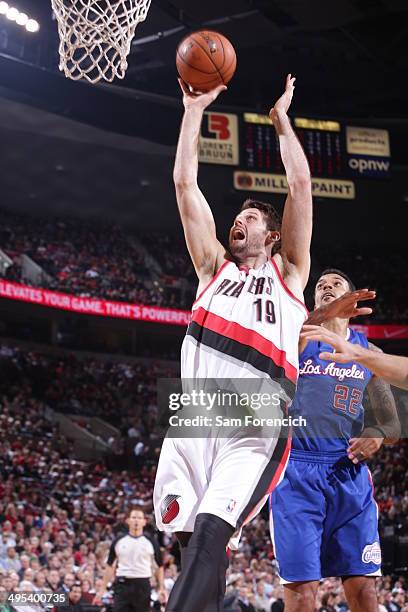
[[95, 36]]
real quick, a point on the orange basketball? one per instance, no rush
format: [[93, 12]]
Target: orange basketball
[[205, 59]]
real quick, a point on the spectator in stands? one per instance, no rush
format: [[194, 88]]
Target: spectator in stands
[[4, 605], [75, 603], [11, 561], [262, 602], [92, 258], [67, 583], [53, 580], [61, 538]]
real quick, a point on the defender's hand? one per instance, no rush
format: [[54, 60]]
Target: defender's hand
[[197, 99], [343, 350], [282, 105], [363, 448], [346, 306]]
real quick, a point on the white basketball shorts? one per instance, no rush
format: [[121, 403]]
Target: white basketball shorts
[[228, 477]]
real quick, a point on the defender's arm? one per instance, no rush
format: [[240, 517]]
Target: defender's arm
[[391, 368], [387, 429], [345, 307], [383, 404]]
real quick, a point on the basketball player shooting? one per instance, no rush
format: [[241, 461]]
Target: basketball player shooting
[[245, 323]]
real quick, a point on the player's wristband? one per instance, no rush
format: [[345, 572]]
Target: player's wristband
[[382, 432]]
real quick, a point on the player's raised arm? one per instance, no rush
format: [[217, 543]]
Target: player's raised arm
[[198, 222], [296, 231]]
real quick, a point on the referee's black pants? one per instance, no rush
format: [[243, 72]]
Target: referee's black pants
[[131, 595]]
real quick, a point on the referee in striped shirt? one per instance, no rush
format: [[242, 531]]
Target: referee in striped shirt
[[131, 559]]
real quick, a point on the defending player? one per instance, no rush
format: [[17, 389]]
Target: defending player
[[245, 324], [323, 515]]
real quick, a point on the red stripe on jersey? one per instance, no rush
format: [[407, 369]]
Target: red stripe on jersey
[[248, 337], [286, 288], [214, 278]]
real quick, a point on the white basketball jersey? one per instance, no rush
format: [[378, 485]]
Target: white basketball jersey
[[245, 324]]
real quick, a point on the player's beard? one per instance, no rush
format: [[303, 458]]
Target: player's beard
[[250, 246]]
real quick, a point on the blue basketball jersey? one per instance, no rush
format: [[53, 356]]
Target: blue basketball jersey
[[329, 397]]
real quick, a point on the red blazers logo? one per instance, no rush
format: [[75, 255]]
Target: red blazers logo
[[169, 508]]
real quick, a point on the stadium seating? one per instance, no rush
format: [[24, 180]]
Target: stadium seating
[[58, 515]]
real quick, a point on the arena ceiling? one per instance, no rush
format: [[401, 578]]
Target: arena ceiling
[[73, 147], [349, 55]]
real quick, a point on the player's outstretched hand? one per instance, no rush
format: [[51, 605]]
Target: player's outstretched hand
[[346, 306], [197, 99], [282, 105], [361, 449], [343, 350]]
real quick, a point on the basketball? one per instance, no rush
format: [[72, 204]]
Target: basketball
[[206, 59]]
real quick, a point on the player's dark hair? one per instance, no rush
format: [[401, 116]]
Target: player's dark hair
[[352, 286], [272, 217]]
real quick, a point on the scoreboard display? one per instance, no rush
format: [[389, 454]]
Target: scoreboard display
[[321, 140], [337, 153]]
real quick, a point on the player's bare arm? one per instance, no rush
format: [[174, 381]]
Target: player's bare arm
[[391, 368], [344, 307], [383, 404], [205, 250], [296, 234], [387, 429]]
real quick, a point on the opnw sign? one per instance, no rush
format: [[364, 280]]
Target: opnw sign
[[369, 166], [276, 183], [218, 142], [368, 151]]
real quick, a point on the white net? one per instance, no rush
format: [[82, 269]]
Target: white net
[[95, 36]]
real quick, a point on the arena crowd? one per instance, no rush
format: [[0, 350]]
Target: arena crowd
[[96, 259], [58, 515]]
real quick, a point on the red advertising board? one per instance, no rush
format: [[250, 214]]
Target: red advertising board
[[143, 312]]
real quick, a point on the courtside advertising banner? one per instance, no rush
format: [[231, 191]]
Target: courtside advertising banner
[[218, 142], [143, 312], [93, 306]]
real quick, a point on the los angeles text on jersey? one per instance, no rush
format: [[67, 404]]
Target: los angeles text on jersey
[[249, 420], [332, 369]]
